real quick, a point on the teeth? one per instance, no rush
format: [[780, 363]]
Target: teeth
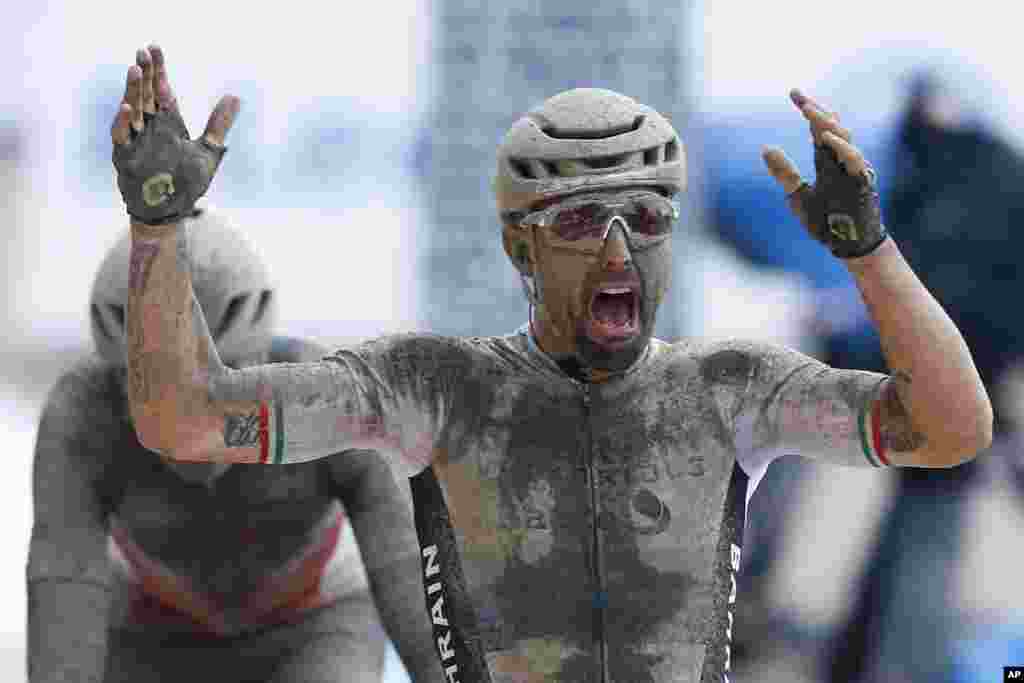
[[615, 290]]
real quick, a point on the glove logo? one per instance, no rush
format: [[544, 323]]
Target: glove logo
[[158, 189], [842, 227]]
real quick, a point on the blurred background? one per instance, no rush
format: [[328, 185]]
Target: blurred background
[[361, 165]]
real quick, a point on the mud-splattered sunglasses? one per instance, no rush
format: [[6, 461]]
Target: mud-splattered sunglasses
[[584, 222]]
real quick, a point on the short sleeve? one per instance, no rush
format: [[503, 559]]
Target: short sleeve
[[781, 402]]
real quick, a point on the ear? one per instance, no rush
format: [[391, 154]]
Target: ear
[[518, 243]]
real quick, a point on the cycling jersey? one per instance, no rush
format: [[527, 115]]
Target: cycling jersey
[[123, 541], [577, 531]]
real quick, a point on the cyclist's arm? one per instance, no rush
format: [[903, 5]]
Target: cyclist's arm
[[68, 573], [379, 505], [933, 411], [188, 406], [783, 402]]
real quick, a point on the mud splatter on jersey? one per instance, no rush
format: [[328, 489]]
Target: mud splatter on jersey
[[591, 532]]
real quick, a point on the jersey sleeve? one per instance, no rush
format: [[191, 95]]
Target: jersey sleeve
[[782, 402], [68, 573], [390, 395]]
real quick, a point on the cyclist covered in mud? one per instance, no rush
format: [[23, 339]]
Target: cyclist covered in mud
[[579, 486], [143, 569]]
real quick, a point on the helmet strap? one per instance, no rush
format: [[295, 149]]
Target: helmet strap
[[530, 289]]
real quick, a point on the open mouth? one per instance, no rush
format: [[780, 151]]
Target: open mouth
[[614, 314]]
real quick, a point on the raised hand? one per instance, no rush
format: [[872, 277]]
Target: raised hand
[[841, 209], [160, 171]]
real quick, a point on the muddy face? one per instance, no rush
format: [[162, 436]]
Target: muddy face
[[597, 310]]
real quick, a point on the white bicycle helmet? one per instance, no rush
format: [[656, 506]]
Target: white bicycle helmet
[[230, 282]]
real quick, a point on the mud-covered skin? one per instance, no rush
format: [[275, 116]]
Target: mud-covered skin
[[562, 282], [124, 541], [566, 315], [526, 460]]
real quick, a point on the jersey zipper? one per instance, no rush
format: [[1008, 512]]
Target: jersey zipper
[[600, 598]]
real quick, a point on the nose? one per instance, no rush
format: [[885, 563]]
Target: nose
[[615, 255]]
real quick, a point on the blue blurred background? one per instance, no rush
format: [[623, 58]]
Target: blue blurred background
[[360, 165]]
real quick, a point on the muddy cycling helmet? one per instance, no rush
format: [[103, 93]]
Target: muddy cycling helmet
[[230, 282], [582, 140]]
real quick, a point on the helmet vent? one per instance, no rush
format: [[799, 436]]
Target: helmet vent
[[607, 162], [587, 134], [522, 168], [261, 306], [672, 150], [651, 156], [97, 321], [117, 311], [230, 315]]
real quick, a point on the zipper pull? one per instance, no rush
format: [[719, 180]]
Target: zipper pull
[[586, 395]]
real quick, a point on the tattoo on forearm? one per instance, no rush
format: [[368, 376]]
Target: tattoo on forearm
[[139, 385], [143, 254], [242, 430], [897, 431], [135, 336]]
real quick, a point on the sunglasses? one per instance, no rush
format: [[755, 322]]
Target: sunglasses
[[583, 223]]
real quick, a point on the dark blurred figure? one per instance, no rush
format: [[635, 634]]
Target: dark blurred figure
[[955, 207]]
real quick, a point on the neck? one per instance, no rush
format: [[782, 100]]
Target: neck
[[568, 361]]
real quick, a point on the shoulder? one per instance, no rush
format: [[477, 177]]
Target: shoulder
[[422, 348], [91, 387], [86, 411], [433, 364], [737, 361]]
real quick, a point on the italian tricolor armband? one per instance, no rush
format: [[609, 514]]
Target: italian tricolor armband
[[271, 433], [870, 427]]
